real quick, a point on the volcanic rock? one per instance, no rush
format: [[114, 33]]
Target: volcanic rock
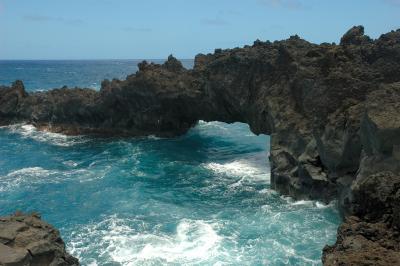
[[27, 240]]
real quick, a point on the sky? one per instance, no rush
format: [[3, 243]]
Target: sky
[[153, 29]]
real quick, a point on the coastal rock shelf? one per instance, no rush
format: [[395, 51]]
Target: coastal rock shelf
[[27, 240], [332, 111]]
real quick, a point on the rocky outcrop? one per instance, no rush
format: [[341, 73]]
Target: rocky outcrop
[[26, 240], [332, 111], [362, 243], [372, 235]]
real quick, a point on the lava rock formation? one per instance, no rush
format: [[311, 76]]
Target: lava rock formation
[[26, 240], [332, 111]]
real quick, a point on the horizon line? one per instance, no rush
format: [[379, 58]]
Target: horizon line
[[97, 59]]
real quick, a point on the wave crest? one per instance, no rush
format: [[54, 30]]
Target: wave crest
[[30, 132], [194, 241]]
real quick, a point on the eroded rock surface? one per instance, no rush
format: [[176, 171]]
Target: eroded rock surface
[[362, 243], [26, 240], [332, 112]]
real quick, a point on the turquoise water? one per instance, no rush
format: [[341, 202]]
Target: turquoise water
[[200, 199]]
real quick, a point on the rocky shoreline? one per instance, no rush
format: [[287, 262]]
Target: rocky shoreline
[[26, 240], [332, 111]]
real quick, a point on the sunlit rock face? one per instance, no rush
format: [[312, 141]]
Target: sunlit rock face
[[27, 240], [331, 110]]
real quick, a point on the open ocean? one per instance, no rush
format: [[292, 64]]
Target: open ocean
[[200, 199]]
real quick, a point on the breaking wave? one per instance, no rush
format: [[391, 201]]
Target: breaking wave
[[193, 241], [30, 132]]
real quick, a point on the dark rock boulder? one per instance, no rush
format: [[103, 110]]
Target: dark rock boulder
[[27, 240], [376, 197], [10, 99], [355, 36]]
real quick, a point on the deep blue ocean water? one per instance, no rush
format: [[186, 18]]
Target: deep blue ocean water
[[49, 74], [200, 199]]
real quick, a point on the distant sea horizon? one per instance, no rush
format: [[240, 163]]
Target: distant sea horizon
[[45, 74], [94, 59]]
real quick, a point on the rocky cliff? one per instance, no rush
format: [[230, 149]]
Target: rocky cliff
[[332, 111], [26, 240]]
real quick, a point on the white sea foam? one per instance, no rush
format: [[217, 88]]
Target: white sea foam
[[307, 203], [248, 168], [303, 202], [237, 168], [194, 241], [321, 205], [268, 191], [32, 176], [153, 137], [236, 132], [29, 131], [213, 129], [70, 163], [215, 124], [24, 177], [288, 252]]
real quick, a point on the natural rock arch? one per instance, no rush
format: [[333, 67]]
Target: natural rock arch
[[332, 111]]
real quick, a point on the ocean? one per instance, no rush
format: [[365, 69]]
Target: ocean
[[200, 199], [50, 74]]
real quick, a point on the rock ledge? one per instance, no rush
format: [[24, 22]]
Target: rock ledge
[[26, 240]]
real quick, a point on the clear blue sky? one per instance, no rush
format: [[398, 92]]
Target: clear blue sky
[[119, 29]]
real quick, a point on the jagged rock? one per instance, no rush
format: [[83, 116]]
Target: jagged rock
[[332, 111], [173, 64], [10, 98], [373, 238], [381, 123], [355, 36], [27, 240], [376, 197], [361, 243]]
